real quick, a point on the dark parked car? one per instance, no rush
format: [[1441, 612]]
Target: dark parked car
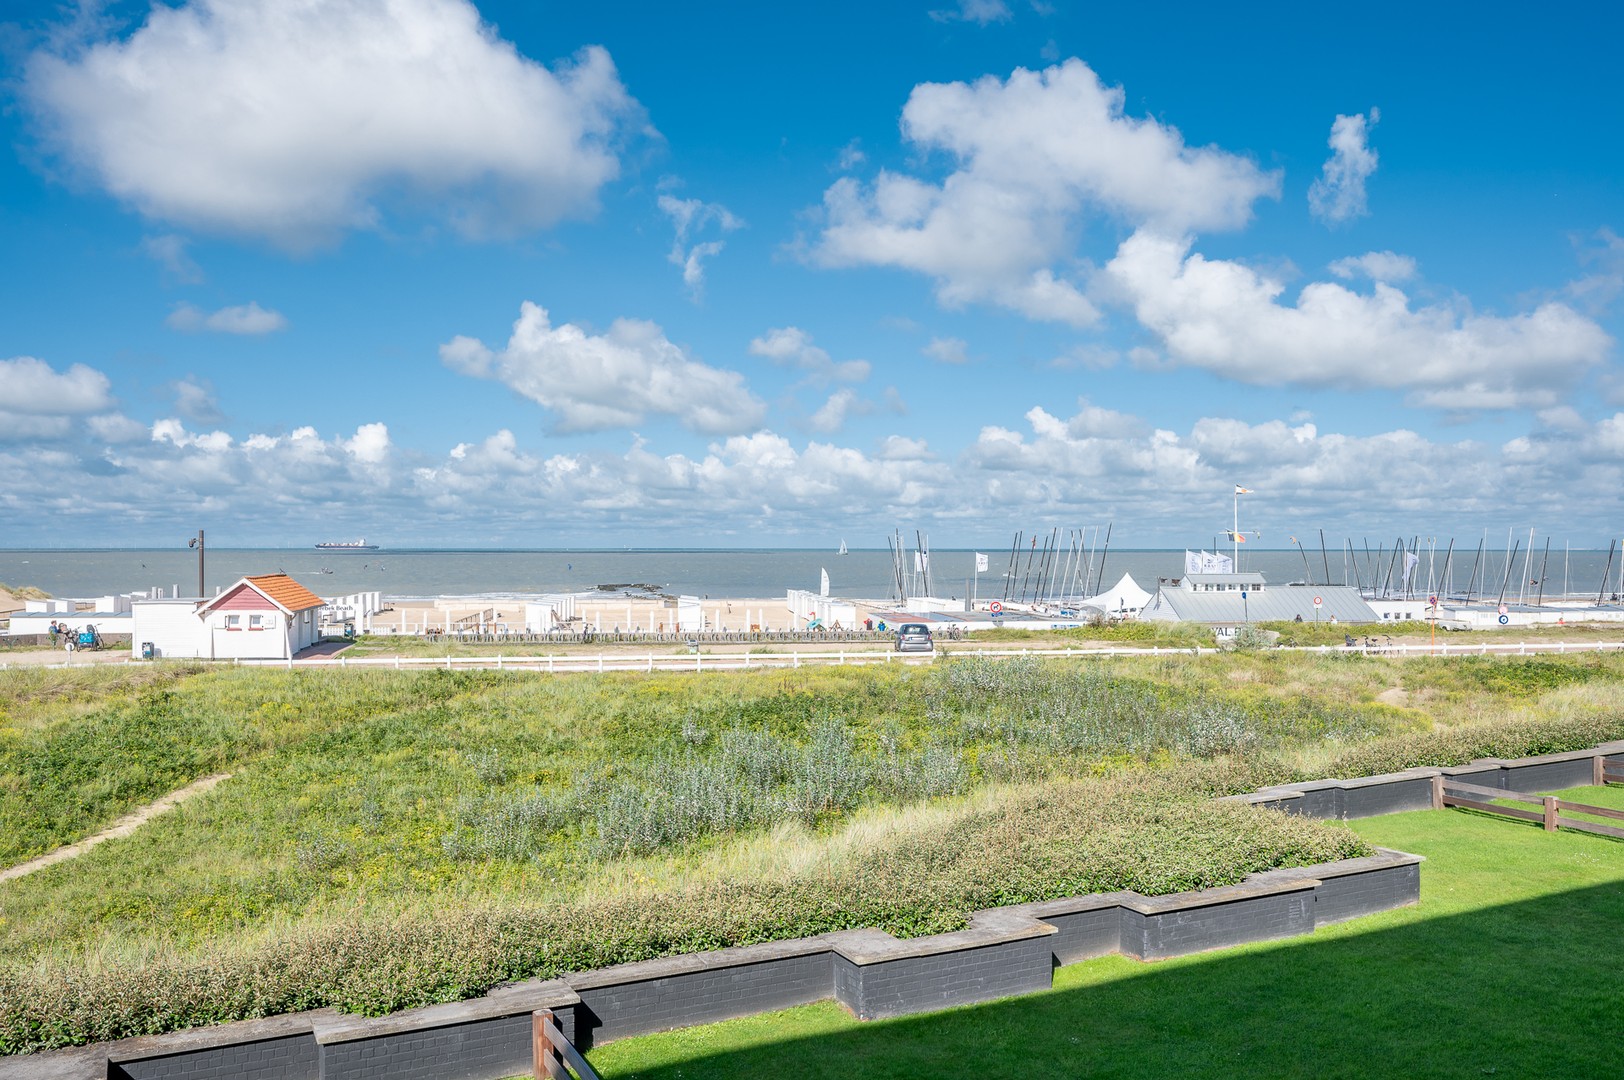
[[914, 637]]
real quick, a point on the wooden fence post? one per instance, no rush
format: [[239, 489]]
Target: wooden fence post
[[1438, 792], [1598, 770], [1550, 813], [547, 1065]]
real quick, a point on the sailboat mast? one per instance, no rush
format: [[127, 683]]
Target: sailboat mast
[[1528, 559], [1543, 564], [1443, 591], [1473, 582], [1014, 564], [1100, 580], [1608, 569], [1506, 579], [1387, 581]]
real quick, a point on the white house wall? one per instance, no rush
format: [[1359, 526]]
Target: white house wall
[[173, 629], [269, 642]]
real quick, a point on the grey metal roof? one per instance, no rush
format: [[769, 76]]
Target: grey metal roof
[[1276, 603]]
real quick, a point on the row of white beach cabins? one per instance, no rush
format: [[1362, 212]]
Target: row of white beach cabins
[[272, 616]]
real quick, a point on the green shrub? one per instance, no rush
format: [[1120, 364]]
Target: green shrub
[[1152, 835], [1458, 746]]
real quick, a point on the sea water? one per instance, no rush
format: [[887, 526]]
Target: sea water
[[754, 572]]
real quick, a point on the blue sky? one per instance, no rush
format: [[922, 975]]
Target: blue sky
[[636, 274]]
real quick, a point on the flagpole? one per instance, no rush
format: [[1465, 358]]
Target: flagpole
[[1235, 533]]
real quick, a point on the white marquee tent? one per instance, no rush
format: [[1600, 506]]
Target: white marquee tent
[[1124, 599]]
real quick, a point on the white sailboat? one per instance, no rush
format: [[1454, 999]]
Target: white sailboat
[[842, 550]]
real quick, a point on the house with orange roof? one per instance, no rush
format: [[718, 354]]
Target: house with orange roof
[[260, 617]]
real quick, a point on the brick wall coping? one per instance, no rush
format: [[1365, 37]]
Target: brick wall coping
[[205, 1038], [508, 1000], [1287, 793], [1249, 889], [686, 963], [1383, 858], [995, 926]]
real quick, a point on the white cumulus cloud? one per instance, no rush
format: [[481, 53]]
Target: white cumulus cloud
[[792, 346], [30, 385], [980, 12], [593, 382], [1075, 465], [1339, 193], [195, 400], [947, 350], [247, 319], [169, 251], [831, 416], [1228, 318], [292, 119], [1034, 155], [369, 444], [1375, 265], [689, 217]]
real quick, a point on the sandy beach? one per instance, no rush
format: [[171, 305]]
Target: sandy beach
[[609, 613]]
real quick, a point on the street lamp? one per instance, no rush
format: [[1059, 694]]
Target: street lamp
[[197, 542]]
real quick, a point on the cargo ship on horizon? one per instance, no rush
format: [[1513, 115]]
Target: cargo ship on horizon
[[346, 545]]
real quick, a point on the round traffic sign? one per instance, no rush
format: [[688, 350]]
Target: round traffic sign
[[1504, 610], [1318, 601], [1504, 619], [996, 607]]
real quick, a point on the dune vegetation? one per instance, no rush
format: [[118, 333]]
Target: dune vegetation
[[392, 838]]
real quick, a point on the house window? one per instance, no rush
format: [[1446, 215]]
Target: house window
[[233, 622], [256, 622]]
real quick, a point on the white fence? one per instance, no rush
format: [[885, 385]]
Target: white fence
[[699, 661]]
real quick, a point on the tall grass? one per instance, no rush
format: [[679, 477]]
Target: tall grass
[[1060, 839], [363, 797]]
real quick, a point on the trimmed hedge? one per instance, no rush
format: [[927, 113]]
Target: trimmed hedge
[[1458, 746], [1156, 835]]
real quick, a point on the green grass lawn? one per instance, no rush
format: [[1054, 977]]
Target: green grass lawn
[[1610, 798], [1506, 968]]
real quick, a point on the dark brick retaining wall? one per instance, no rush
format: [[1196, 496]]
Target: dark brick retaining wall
[[1369, 796], [291, 1057], [654, 995], [1004, 952]]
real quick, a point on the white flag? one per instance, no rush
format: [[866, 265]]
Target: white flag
[[1410, 561], [1194, 563], [981, 563], [825, 589], [921, 562]]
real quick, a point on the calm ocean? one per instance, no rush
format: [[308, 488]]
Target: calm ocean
[[734, 573]]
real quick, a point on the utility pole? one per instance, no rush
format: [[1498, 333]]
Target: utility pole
[[197, 542]]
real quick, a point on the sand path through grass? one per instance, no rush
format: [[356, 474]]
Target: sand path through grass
[[124, 826]]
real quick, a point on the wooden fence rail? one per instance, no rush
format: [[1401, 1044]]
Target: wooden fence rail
[[1554, 813], [1608, 772], [555, 1055]]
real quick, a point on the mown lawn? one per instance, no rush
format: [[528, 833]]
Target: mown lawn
[[1506, 968]]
